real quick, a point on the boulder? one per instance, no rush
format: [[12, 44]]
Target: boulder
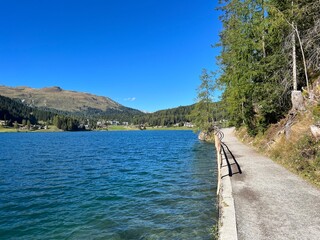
[[315, 131], [297, 101]]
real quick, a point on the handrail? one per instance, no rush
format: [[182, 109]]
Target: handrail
[[219, 135], [227, 159], [217, 142], [233, 157]]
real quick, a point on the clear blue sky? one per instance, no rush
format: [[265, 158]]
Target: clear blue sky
[[145, 54]]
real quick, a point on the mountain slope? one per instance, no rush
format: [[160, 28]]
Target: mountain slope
[[11, 110], [64, 100]]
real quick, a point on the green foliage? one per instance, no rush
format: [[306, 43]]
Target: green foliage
[[255, 61], [202, 114], [66, 123], [15, 112], [256, 57], [166, 117], [302, 157], [316, 112]]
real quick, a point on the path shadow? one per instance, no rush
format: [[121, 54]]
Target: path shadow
[[231, 163]]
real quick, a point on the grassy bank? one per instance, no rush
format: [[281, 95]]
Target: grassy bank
[[51, 128], [169, 128], [297, 151], [121, 128], [130, 128]]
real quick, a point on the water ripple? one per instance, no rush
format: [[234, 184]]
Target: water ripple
[[107, 185]]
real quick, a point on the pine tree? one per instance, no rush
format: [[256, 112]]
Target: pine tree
[[252, 63]]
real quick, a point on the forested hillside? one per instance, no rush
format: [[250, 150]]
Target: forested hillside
[[14, 112], [180, 115], [270, 68], [166, 117], [11, 111], [268, 49]]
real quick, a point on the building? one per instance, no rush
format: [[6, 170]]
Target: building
[[188, 124]]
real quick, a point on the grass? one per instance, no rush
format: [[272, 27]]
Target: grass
[[51, 128], [7, 129], [169, 128], [121, 128], [130, 128], [301, 156]]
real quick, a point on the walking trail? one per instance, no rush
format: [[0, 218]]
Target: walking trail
[[270, 202]]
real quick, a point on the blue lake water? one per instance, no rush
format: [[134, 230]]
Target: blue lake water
[[107, 185]]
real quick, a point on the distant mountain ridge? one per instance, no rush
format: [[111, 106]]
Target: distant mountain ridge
[[65, 100], [81, 105]]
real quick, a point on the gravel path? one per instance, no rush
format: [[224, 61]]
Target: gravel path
[[270, 202]]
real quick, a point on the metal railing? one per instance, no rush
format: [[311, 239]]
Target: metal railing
[[221, 147]]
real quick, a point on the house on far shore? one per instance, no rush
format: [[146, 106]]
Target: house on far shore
[[3, 123], [115, 123], [102, 124], [188, 124]]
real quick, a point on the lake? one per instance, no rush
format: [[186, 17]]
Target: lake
[[107, 185]]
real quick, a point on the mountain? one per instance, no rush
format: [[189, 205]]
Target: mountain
[[88, 106], [77, 103]]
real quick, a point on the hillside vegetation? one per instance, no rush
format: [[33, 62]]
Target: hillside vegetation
[[269, 61], [15, 114], [83, 106], [269, 48]]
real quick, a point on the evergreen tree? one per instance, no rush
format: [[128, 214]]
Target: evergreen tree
[[253, 63]]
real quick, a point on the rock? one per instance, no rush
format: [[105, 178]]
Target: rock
[[202, 136], [297, 101], [315, 131]]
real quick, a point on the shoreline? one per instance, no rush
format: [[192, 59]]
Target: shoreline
[[13, 130]]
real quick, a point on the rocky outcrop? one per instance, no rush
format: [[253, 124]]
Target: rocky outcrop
[[202, 136], [207, 136]]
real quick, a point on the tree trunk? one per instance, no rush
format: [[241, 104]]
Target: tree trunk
[[294, 61], [303, 58]]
